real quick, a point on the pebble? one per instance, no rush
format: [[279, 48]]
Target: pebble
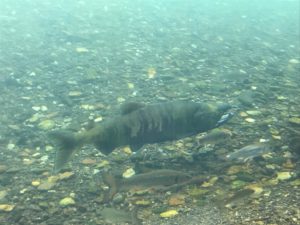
[[283, 176], [250, 120], [81, 49], [210, 182], [35, 183], [102, 164], [44, 158], [3, 194], [45, 186], [127, 150], [46, 124], [98, 119], [10, 146], [75, 93], [281, 97], [6, 207], [151, 72], [88, 161], [253, 112], [44, 108], [257, 189], [121, 99], [169, 213], [67, 201], [130, 85], [3, 168], [243, 114], [65, 175], [295, 120], [128, 173], [294, 61], [87, 107], [36, 108], [176, 200]]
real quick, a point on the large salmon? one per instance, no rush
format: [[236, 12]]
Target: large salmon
[[143, 124]]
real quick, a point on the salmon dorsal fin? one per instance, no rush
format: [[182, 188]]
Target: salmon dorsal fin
[[129, 107]]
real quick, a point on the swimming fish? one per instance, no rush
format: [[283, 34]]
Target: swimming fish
[[249, 152], [160, 179], [142, 124], [215, 136]]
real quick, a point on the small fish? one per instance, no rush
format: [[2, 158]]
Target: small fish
[[215, 136], [249, 152], [161, 179]]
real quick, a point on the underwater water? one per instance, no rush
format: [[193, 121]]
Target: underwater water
[[116, 112]]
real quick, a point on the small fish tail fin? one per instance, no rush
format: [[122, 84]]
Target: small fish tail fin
[[67, 144]]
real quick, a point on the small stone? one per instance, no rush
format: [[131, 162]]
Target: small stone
[[175, 200], [127, 150], [75, 93], [34, 118], [296, 182], [250, 120], [6, 207], [128, 173], [88, 161], [256, 188], [35, 183], [281, 97], [288, 164], [130, 85], [3, 168], [283, 176], [65, 175], [121, 99], [23, 190], [271, 167], [253, 112], [294, 61], [151, 72], [46, 124], [102, 164], [81, 49], [44, 158], [98, 119], [87, 107], [142, 202], [234, 169], [44, 108], [36, 108], [276, 137], [67, 201], [48, 148], [3, 194], [10, 146], [243, 114], [295, 120], [210, 182], [169, 213], [45, 186]]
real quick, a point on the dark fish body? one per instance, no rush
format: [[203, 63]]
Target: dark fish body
[[143, 125], [249, 152]]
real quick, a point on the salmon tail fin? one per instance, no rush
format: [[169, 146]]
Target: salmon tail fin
[[67, 144]]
